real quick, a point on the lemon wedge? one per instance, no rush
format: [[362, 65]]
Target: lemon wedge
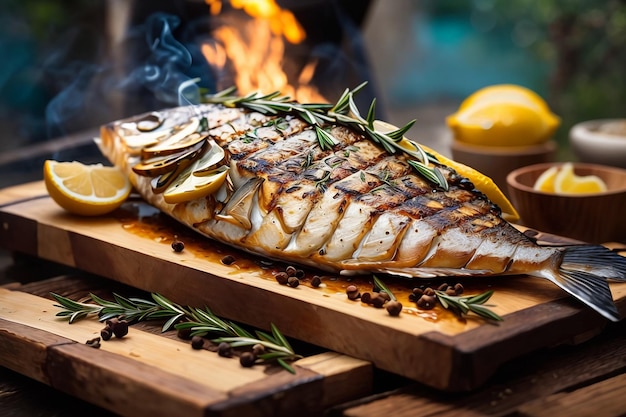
[[567, 182], [482, 182], [545, 182], [564, 180], [87, 190], [503, 115]]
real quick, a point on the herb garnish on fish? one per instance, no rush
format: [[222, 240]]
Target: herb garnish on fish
[[345, 112]]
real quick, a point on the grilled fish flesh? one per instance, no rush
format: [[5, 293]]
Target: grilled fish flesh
[[316, 189]]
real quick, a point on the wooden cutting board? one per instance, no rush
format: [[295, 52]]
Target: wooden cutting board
[[433, 347]]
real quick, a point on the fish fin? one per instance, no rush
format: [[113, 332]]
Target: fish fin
[[593, 290], [595, 259]]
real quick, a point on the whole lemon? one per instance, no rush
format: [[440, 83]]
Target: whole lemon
[[503, 115]]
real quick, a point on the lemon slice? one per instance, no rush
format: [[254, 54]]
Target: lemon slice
[[87, 190], [567, 182], [545, 182], [482, 182]]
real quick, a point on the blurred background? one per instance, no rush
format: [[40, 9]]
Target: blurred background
[[69, 66]]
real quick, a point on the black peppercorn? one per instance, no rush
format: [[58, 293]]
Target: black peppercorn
[[458, 287], [120, 329], [352, 292], [393, 308], [316, 281], [228, 260], [224, 349], [178, 246], [426, 302], [197, 342], [282, 278], [293, 282], [366, 297], [247, 359], [258, 349], [291, 271], [106, 333]]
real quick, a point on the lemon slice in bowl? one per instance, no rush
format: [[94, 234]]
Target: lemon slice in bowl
[[545, 182], [567, 182], [87, 190]]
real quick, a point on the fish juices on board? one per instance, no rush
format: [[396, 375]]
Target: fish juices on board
[[322, 186]]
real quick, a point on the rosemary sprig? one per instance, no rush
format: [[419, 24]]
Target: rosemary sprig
[[344, 112], [461, 305], [470, 303], [200, 322]]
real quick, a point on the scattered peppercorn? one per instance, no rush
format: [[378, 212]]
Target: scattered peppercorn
[[293, 282], [316, 281], [299, 273], [366, 297], [426, 302], [178, 246], [228, 260], [291, 271], [428, 291], [197, 342], [352, 292], [94, 343], [282, 278], [393, 308], [377, 301], [442, 287], [450, 291], [458, 287], [247, 359], [106, 333], [225, 350], [184, 334]]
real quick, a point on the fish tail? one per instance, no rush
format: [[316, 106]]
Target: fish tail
[[584, 273]]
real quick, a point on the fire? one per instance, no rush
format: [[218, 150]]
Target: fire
[[254, 50]]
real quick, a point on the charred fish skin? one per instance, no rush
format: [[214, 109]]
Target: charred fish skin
[[352, 208]]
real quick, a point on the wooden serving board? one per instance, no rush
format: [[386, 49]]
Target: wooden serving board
[[433, 347], [151, 373]]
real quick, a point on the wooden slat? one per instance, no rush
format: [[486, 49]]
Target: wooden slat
[[146, 373]]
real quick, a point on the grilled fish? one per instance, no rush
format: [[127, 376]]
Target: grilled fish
[[318, 191]]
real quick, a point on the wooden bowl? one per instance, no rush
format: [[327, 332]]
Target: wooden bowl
[[593, 218], [497, 161]]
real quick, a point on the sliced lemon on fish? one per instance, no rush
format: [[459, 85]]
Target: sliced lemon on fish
[[87, 190], [189, 187], [482, 182]]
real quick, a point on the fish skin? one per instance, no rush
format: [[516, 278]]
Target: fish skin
[[357, 209]]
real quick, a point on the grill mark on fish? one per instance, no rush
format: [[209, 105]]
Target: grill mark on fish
[[357, 208]]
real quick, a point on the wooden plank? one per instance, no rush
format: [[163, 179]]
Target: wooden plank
[[149, 374], [557, 381], [122, 248], [603, 399]]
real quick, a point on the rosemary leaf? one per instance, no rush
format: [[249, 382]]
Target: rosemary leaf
[[382, 287]]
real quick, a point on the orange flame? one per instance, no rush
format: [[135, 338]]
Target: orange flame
[[255, 50]]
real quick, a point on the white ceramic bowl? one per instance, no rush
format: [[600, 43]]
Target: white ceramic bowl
[[601, 141]]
